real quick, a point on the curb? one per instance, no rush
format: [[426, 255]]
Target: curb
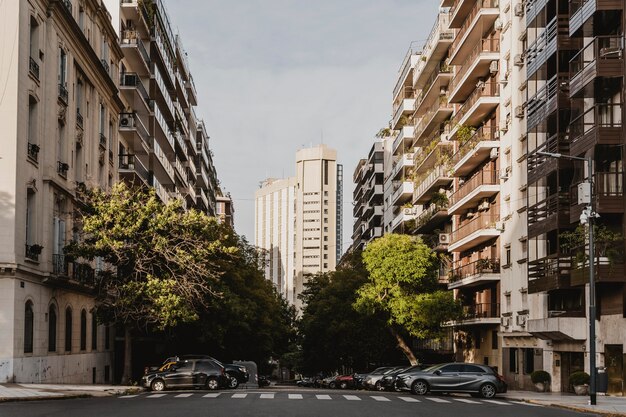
[[578, 408], [45, 398]]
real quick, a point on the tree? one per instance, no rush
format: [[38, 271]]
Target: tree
[[403, 285], [164, 260]]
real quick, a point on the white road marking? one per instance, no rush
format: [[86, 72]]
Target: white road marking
[[323, 397], [379, 398], [156, 395], [437, 400], [496, 402], [410, 399], [525, 403], [183, 395], [465, 400], [212, 395], [129, 396], [295, 396], [239, 396], [267, 396], [351, 398]]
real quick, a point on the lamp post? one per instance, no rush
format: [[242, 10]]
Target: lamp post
[[588, 216]]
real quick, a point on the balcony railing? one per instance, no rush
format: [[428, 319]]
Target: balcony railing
[[469, 20], [131, 79], [129, 162], [479, 222], [557, 143], [536, 110], [33, 252], [79, 119], [600, 115], [488, 89], [484, 45], [33, 151], [103, 141], [63, 94], [59, 265], [83, 273], [442, 68], [547, 208], [405, 93], [67, 4], [131, 37], [478, 267], [486, 133], [482, 177], [33, 67], [425, 120], [62, 168], [422, 185], [426, 216], [481, 311], [605, 185], [600, 48]]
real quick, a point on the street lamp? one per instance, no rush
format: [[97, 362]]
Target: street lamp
[[587, 216]]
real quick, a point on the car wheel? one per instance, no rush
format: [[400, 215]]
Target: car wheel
[[343, 385], [488, 390], [419, 387], [212, 384], [396, 387], [157, 385], [233, 382], [379, 386], [332, 385]]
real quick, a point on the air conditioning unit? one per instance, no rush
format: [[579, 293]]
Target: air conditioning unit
[[505, 173], [484, 205], [493, 67], [519, 112], [500, 226], [494, 153], [444, 238], [470, 214], [506, 321], [518, 60], [518, 10], [521, 320], [127, 121], [409, 210], [498, 24]]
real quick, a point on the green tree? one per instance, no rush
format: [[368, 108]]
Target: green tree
[[403, 285], [162, 260]]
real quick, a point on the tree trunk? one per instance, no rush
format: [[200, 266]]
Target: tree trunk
[[403, 346], [128, 357]]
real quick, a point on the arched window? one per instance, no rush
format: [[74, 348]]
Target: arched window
[[68, 329], [52, 329], [29, 319], [83, 330]]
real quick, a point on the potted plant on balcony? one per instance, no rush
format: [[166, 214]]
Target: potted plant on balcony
[[485, 265], [580, 381], [605, 240], [464, 133], [541, 379]]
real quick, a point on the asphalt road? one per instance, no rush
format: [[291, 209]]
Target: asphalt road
[[270, 402]]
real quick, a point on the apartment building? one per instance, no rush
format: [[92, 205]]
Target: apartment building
[[368, 197], [296, 221], [225, 209], [59, 111]]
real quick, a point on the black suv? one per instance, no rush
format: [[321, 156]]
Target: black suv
[[189, 373], [235, 374]]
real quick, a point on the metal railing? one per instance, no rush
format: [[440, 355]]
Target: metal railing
[[83, 273], [605, 184], [484, 45], [486, 133], [482, 177], [440, 171], [33, 67], [480, 221], [62, 168], [600, 48], [33, 252], [130, 162], [481, 311], [548, 207], [59, 265], [67, 4], [63, 94], [103, 141], [131, 37], [131, 79], [600, 115], [79, 118], [469, 20], [488, 89], [33, 151], [471, 269]]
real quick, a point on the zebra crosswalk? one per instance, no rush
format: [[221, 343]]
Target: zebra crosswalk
[[324, 397]]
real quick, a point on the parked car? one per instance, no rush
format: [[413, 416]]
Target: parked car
[[236, 374], [389, 380], [191, 373], [264, 381], [358, 380], [477, 380], [345, 381], [373, 380], [328, 382], [306, 382]]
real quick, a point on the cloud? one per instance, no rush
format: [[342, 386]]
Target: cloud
[[274, 75]]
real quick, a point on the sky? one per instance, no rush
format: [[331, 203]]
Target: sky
[[276, 75]]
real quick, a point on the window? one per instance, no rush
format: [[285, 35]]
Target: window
[[494, 339], [52, 329], [477, 340], [473, 369], [83, 330], [186, 366], [94, 332], [325, 172], [102, 120], [62, 76], [529, 360], [452, 368], [29, 319], [507, 250], [68, 329], [513, 360], [30, 217], [34, 37], [32, 120]]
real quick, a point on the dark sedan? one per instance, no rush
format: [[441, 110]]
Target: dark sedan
[[200, 373], [477, 380], [236, 374]]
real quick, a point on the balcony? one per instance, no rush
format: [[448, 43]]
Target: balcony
[[135, 92], [402, 193], [559, 329], [433, 88], [135, 51], [608, 196], [202, 198], [480, 314], [477, 66], [405, 72], [602, 57], [474, 19], [555, 36], [32, 252], [163, 168], [431, 218], [434, 180], [403, 138], [475, 150], [483, 184], [373, 191], [435, 153], [475, 274], [62, 168], [403, 106], [405, 215], [549, 273], [405, 161], [102, 141], [601, 124], [553, 95], [481, 228], [483, 100], [192, 93], [608, 262], [180, 170], [33, 68], [540, 166], [432, 118], [533, 9], [63, 94], [160, 191], [132, 169], [549, 214], [133, 130], [135, 11], [33, 151], [435, 49], [582, 10], [181, 147], [59, 265]]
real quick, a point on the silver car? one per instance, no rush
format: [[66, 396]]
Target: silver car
[[477, 380]]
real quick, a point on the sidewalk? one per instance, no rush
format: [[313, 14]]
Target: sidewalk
[[19, 392], [605, 404]]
